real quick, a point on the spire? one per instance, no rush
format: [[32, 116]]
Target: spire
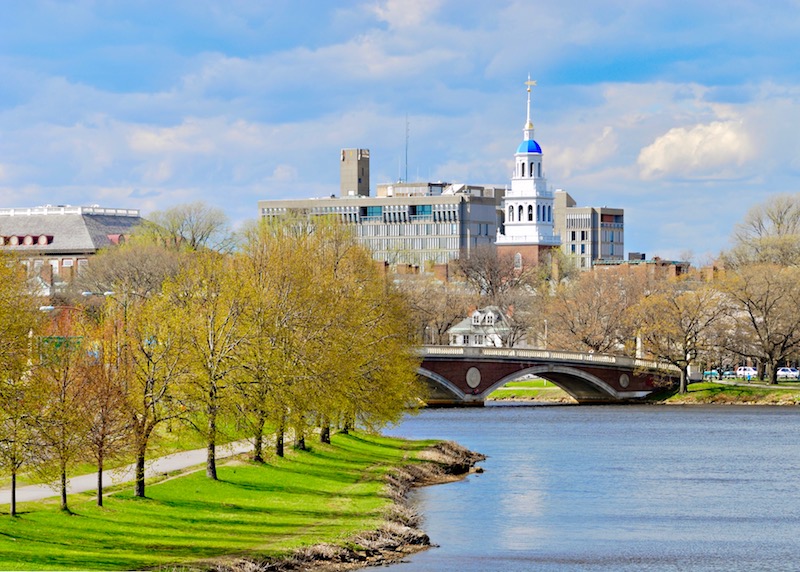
[[528, 124]]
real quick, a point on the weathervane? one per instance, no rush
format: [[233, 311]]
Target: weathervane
[[530, 83]]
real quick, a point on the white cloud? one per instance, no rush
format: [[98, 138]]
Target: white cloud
[[712, 150], [592, 156], [405, 13]]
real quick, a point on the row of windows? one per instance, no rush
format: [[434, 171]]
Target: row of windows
[[583, 221], [446, 229], [35, 266], [544, 213], [419, 243]]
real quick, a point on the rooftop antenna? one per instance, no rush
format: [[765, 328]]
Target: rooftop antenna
[[406, 148]]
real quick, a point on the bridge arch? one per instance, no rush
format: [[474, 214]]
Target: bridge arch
[[442, 389], [556, 375]]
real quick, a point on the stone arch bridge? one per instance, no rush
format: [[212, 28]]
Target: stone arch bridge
[[466, 375]]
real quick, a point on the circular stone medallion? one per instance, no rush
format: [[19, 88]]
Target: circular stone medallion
[[624, 380], [473, 377]]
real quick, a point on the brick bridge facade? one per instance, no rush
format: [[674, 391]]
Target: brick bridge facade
[[466, 375]]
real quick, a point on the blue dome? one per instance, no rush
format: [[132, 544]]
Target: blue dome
[[529, 146]]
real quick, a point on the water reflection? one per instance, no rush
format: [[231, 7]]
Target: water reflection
[[615, 488]]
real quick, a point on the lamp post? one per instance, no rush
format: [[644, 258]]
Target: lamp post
[[545, 334]]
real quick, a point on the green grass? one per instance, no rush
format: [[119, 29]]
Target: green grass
[[324, 495], [710, 392], [529, 389]]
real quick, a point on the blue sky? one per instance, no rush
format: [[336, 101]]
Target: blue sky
[[684, 113]]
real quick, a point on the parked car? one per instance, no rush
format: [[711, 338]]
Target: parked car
[[788, 373], [711, 374], [746, 372], [729, 375]]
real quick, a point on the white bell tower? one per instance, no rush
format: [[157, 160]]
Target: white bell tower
[[528, 206]]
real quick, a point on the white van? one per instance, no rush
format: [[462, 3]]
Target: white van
[[746, 372]]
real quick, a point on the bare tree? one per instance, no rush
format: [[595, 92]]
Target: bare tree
[[590, 312], [770, 234], [194, 226], [675, 321], [765, 299]]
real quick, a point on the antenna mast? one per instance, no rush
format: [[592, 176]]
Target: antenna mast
[[406, 175]]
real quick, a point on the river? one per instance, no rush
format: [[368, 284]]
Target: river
[[614, 488]]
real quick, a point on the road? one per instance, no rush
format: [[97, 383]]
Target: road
[[160, 466]]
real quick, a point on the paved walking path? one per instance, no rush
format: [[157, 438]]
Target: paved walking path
[[160, 466]]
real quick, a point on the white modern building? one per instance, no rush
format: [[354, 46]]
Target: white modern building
[[589, 234]]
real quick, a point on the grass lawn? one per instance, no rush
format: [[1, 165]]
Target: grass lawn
[[324, 495], [710, 392], [529, 389]]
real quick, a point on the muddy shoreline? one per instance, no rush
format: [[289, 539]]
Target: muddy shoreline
[[398, 536]]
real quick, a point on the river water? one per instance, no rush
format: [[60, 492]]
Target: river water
[[614, 488]]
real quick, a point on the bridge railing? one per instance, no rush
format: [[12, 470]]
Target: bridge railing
[[557, 355]]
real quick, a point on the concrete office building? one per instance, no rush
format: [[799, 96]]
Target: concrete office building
[[418, 224], [354, 173], [589, 234]]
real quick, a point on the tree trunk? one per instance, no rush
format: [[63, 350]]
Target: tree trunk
[[258, 440], [13, 507], [64, 506], [100, 480], [300, 442], [325, 434], [682, 388], [211, 456], [138, 490], [279, 442]]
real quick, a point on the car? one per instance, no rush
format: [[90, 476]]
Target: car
[[729, 374], [711, 374], [746, 372], [788, 373]]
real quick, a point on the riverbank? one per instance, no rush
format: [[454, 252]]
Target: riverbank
[[399, 536], [700, 393], [254, 514]]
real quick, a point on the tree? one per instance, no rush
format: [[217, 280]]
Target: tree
[[61, 425], [493, 275], [675, 320], [208, 302], [193, 226], [435, 306], [276, 268], [589, 313], [18, 320], [138, 267], [106, 373], [156, 347], [769, 234], [765, 299]]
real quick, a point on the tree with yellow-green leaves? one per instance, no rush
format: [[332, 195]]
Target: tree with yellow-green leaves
[[155, 346], [367, 365], [275, 265], [19, 318], [60, 427], [208, 305]]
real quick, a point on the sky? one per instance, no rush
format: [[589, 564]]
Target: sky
[[685, 113]]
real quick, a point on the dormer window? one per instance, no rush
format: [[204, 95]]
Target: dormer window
[[476, 319], [490, 319]]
